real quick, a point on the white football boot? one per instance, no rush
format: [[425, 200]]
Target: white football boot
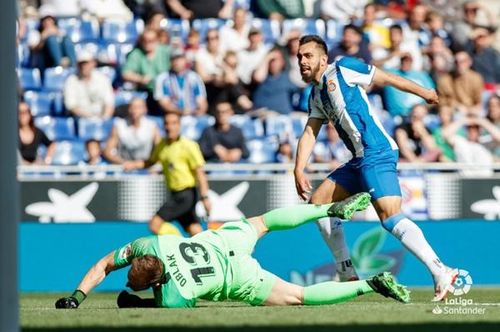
[[444, 283]]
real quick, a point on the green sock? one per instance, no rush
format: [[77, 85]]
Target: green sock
[[332, 292], [293, 216]]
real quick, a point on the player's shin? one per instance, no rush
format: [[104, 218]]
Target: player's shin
[[335, 292], [294, 216], [413, 239]]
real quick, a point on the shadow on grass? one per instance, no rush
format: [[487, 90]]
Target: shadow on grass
[[441, 327]]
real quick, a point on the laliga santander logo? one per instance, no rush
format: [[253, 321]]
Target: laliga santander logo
[[462, 284]]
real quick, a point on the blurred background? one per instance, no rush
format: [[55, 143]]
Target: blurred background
[[95, 78]]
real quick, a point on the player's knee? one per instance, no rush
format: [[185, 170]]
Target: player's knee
[[391, 221]]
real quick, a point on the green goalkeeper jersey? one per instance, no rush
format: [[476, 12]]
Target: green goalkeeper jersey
[[195, 267]]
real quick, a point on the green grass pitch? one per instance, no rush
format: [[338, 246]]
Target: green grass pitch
[[367, 313]]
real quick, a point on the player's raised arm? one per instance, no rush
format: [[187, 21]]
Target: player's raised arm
[[383, 78], [304, 149], [92, 278]]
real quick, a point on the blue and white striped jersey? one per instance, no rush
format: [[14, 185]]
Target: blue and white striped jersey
[[182, 89], [340, 98]]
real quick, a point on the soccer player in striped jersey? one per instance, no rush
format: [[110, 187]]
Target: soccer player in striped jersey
[[338, 95]]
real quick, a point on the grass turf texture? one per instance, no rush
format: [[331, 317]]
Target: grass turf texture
[[367, 313]]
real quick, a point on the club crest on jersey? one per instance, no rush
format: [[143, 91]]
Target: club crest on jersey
[[331, 86], [125, 252]]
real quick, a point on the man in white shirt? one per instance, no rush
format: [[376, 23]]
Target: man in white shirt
[[252, 57], [88, 93], [235, 37]]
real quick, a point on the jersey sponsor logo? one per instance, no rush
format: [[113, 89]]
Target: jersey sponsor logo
[[175, 272], [125, 252]]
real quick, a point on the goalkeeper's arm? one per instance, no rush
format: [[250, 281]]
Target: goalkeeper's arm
[[94, 277]]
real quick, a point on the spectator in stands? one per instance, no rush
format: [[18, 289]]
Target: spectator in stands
[[285, 153], [378, 34], [341, 10], [235, 37], [463, 87], [291, 51], [332, 151], [208, 63], [191, 9], [435, 24], [228, 88], [51, 48], [192, 47], [286, 9], [157, 22], [181, 89], [446, 118], [352, 44], [399, 102], [61, 8], [183, 170], [417, 31], [468, 149], [132, 138], [275, 88], [485, 59], [462, 29], [148, 60], [94, 155], [31, 138], [88, 93], [391, 58], [250, 58], [493, 115], [438, 59], [223, 142], [107, 10], [415, 142]]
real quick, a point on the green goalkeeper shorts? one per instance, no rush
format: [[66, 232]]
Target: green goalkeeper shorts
[[250, 283]]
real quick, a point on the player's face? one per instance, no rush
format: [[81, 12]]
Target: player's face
[[172, 126], [310, 58]]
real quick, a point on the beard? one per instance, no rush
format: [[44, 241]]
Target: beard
[[309, 77]]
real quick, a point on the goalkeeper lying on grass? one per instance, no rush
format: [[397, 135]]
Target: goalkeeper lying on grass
[[217, 265]]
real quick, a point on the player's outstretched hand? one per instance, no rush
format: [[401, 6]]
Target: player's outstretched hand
[[67, 303], [432, 97], [302, 185]]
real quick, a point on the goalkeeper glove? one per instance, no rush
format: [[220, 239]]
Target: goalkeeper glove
[[71, 302]]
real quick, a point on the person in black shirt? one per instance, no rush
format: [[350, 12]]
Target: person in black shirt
[[30, 138], [191, 9], [352, 44], [223, 142]]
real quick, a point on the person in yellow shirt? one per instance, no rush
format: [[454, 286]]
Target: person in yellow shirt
[[183, 170]]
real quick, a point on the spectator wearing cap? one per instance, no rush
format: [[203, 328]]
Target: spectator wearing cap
[[132, 138], [181, 89], [463, 87], [463, 29], [50, 47], [352, 44], [274, 87], [223, 142], [88, 93], [250, 58], [31, 138], [235, 37], [485, 59], [145, 62], [191, 9], [400, 103]]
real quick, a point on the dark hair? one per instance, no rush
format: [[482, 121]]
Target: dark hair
[[396, 27], [315, 39], [31, 124], [92, 140], [355, 28], [145, 272]]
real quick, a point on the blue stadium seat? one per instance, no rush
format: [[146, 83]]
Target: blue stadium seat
[[298, 125], [270, 29], [121, 32], [305, 26], [89, 47], [203, 25], [24, 56], [176, 27], [262, 151], [79, 30], [29, 78], [40, 102], [58, 105], [54, 78], [123, 97], [31, 25], [334, 31], [280, 126], [94, 128], [109, 71], [252, 128], [192, 127], [57, 128], [68, 153]]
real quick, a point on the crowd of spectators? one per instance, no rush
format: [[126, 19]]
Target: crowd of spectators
[[230, 69]]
